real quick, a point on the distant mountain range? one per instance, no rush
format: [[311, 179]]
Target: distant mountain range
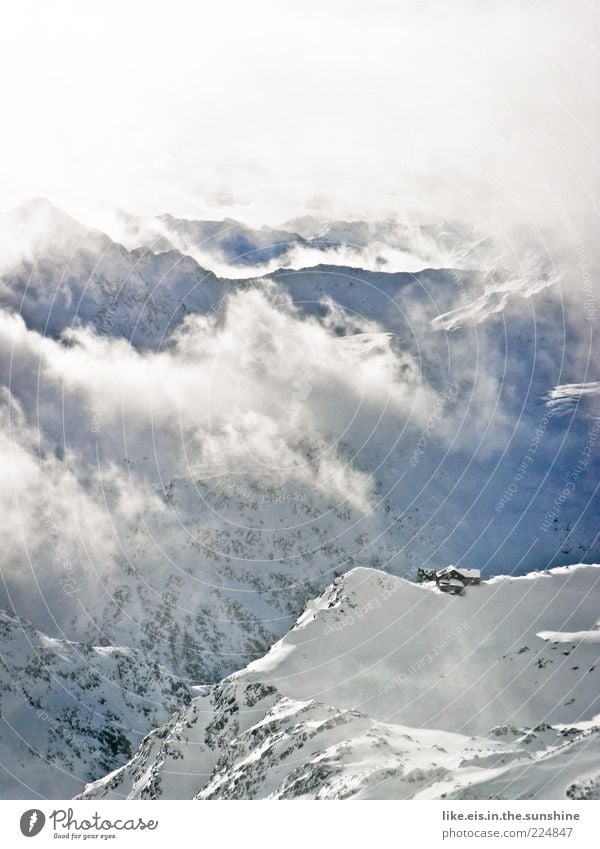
[[233, 249]]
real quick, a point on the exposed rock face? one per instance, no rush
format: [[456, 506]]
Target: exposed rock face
[[72, 710]]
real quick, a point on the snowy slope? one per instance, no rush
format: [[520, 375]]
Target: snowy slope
[[387, 689], [55, 273], [70, 711]]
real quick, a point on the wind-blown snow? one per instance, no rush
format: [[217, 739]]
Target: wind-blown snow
[[562, 400], [592, 636]]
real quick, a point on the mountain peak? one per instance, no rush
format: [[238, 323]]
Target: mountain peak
[[39, 206], [36, 228], [40, 220]]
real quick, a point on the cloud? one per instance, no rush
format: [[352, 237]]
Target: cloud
[[242, 392], [568, 397], [56, 526], [470, 111], [95, 435]]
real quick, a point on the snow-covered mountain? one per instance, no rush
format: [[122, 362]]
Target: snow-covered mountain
[[71, 710], [179, 483], [224, 242], [55, 272], [233, 249], [389, 689]]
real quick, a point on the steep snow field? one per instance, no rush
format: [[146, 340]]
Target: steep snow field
[[69, 711], [387, 689]]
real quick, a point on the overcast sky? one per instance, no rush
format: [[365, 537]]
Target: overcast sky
[[270, 109]]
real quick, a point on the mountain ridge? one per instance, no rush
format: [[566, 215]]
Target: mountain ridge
[[262, 733]]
